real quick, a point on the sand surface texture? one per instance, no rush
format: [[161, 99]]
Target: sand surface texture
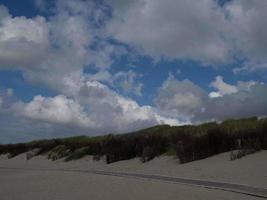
[[40, 178]]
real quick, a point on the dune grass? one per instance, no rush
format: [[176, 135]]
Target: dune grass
[[188, 143]]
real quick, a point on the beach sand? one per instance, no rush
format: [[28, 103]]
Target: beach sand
[[27, 183]]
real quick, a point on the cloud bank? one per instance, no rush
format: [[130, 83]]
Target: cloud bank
[[186, 101]]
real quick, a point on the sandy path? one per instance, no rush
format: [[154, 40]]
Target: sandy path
[[49, 185], [230, 187], [242, 189], [55, 184]]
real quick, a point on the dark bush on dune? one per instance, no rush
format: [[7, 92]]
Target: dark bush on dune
[[16, 149], [58, 152], [77, 154], [148, 154], [188, 143], [118, 147]]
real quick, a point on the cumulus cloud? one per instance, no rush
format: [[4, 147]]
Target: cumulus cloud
[[202, 30], [95, 108], [172, 28], [222, 87], [127, 81], [43, 49], [51, 50], [248, 30], [61, 44], [58, 109], [244, 103], [23, 42], [180, 99], [185, 100], [115, 112]]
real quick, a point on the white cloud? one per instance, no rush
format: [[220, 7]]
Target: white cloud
[[127, 81], [95, 109], [101, 76], [23, 42], [244, 103], [222, 88], [54, 50], [180, 99], [246, 86], [248, 30], [59, 46], [214, 94], [115, 112], [184, 29], [185, 100], [58, 109], [195, 30]]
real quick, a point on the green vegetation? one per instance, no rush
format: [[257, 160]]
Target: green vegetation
[[77, 154], [188, 143], [58, 152]]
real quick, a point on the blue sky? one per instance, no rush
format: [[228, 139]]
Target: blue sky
[[89, 67]]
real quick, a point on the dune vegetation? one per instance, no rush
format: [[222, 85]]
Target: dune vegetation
[[188, 143]]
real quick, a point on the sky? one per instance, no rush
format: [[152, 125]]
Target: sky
[[85, 67]]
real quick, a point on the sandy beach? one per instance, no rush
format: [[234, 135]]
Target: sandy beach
[[40, 178]]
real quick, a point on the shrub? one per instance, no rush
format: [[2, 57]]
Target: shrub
[[148, 154], [58, 152], [171, 151], [78, 153]]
